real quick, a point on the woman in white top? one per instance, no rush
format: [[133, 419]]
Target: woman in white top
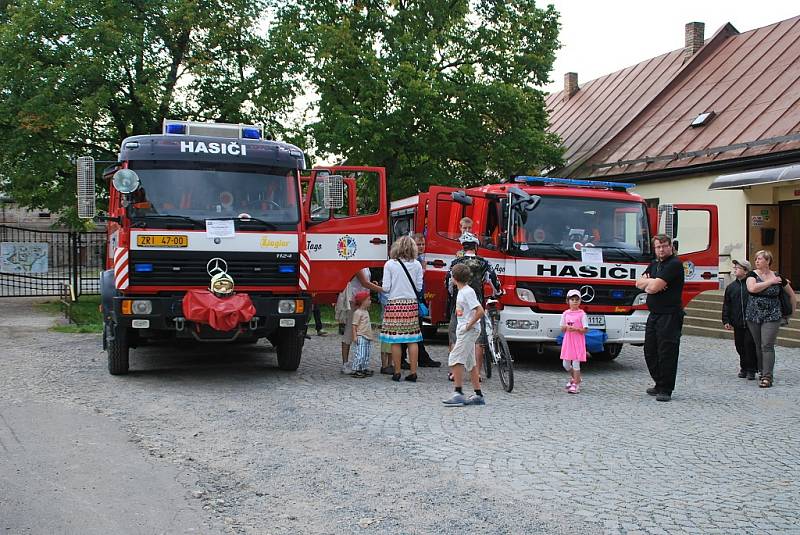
[[400, 316]]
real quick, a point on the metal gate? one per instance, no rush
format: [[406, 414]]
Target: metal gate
[[41, 262]]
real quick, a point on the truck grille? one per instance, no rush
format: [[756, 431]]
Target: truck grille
[[188, 268], [609, 295]]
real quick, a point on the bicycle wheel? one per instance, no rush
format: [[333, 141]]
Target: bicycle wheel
[[487, 360], [505, 363]]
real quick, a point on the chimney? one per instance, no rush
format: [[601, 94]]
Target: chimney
[[695, 35], [570, 84]]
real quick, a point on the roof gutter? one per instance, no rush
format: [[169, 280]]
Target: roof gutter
[[754, 162]]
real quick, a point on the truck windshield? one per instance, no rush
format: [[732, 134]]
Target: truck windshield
[[207, 190], [560, 227]]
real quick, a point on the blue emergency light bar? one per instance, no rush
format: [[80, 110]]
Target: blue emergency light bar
[[286, 268], [172, 128], [598, 184], [226, 130]]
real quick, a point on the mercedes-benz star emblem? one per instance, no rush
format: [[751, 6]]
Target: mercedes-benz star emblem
[[216, 265], [587, 293]]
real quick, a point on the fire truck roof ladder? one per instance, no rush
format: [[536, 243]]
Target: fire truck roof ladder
[[570, 182]]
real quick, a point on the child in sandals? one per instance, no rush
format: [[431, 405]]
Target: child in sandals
[[362, 334], [573, 348]]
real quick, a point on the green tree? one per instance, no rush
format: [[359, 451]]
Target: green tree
[[78, 76], [436, 91]]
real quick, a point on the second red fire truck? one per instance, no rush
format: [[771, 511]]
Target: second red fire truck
[[545, 236]]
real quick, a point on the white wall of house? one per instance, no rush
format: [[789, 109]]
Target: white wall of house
[[731, 206]]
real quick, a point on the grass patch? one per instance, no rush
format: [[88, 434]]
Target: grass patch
[[328, 317], [84, 315]]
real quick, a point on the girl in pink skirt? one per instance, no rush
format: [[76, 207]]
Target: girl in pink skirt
[[573, 348]]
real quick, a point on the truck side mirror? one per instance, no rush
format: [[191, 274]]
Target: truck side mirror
[[461, 198], [333, 192], [86, 187]]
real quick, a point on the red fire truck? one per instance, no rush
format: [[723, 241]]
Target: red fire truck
[[204, 199], [545, 236]]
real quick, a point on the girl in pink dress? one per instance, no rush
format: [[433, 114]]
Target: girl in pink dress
[[573, 348]]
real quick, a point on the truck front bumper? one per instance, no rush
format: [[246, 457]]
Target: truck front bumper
[[167, 315], [521, 324]]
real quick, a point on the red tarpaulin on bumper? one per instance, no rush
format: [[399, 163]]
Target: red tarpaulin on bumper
[[201, 306]]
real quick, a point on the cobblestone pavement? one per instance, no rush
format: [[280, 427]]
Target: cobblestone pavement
[[319, 452]]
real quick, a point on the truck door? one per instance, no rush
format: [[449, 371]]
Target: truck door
[[442, 245], [694, 228], [347, 225]]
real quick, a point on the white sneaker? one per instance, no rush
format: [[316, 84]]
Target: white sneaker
[[347, 369]]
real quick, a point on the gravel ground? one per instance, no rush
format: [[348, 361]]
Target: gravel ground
[[264, 451]]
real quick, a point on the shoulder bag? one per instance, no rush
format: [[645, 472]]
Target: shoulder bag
[[421, 306], [786, 303]]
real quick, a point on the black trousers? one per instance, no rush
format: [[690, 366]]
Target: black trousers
[[662, 341], [746, 348], [422, 353], [317, 317]]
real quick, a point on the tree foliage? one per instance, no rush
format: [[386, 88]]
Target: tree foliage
[[436, 91], [78, 76]]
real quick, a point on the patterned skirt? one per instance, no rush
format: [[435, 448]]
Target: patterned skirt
[[400, 322]]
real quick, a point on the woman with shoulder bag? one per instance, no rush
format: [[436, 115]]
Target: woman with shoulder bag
[[763, 313], [402, 282]]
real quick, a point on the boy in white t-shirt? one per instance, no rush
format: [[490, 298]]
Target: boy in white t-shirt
[[468, 314]]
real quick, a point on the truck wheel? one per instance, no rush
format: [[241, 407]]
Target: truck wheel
[[609, 353], [118, 351], [289, 348]]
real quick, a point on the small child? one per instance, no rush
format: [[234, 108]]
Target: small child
[[468, 313], [362, 334], [573, 348]]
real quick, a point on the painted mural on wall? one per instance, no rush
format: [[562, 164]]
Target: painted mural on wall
[[23, 257]]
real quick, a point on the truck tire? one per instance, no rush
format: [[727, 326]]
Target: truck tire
[[609, 353], [118, 350], [289, 348]]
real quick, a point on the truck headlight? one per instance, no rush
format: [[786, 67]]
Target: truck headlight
[[640, 299], [524, 294], [286, 306], [638, 327], [142, 307]]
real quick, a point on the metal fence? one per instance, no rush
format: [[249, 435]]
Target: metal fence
[[41, 262]]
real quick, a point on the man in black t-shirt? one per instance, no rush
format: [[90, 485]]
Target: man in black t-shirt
[[663, 283]]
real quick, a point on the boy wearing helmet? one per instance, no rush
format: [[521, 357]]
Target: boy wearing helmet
[[482, 272]]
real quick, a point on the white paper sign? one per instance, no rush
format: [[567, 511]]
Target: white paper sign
[[216, 228], [591, 255]]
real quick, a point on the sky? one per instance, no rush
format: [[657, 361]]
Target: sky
[[601, 37]]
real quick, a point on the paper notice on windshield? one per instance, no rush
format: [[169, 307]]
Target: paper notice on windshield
[[591, 255], [216, 228]]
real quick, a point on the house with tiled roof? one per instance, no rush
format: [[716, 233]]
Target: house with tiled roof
[[714, 122]]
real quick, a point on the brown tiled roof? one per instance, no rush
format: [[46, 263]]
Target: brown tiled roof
[[636, 121]]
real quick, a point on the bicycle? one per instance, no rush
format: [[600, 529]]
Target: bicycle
[[496, 348]]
